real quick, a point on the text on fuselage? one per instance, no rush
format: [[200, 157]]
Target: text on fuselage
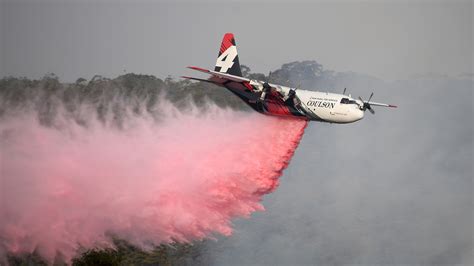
[[322, 104]]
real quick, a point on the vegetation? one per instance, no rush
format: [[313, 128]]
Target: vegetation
[[124, 254]]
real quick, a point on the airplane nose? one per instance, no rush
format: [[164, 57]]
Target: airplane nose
[[359, 114]]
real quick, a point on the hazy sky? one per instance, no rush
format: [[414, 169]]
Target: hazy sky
[[393, 189], [390, 40]]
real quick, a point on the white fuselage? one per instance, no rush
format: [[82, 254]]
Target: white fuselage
[[323, 106], [328, 106]]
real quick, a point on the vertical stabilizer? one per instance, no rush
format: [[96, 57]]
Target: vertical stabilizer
[[228, 59]]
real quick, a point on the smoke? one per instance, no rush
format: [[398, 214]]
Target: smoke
[[180, 179], [392, 189]]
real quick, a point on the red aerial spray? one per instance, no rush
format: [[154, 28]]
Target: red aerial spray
[[180, 179]]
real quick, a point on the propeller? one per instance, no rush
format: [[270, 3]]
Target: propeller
[[266, 85], [292, 93], [266, 88], [366, 104], [370, 97]]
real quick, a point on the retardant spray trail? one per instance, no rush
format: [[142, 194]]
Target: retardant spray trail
[[182, 179]]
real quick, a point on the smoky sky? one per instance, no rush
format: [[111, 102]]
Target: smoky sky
[[388, 39]]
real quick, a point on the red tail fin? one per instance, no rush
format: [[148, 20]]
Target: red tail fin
[[228, 59]]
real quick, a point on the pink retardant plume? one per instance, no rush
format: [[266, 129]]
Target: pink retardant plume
[[180, 179]]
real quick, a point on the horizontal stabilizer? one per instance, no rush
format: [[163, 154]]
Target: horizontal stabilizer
[[220, 75], [199, 69]]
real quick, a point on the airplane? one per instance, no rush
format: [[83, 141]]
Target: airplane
[[273, 99]]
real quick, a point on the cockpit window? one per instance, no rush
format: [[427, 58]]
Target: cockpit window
[[347, 101]]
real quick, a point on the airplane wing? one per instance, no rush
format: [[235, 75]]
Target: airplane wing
[[382, 104], [223, 77]]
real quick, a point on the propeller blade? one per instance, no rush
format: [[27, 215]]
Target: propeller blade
[[371, 110], [372, 94], [361, 106]]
